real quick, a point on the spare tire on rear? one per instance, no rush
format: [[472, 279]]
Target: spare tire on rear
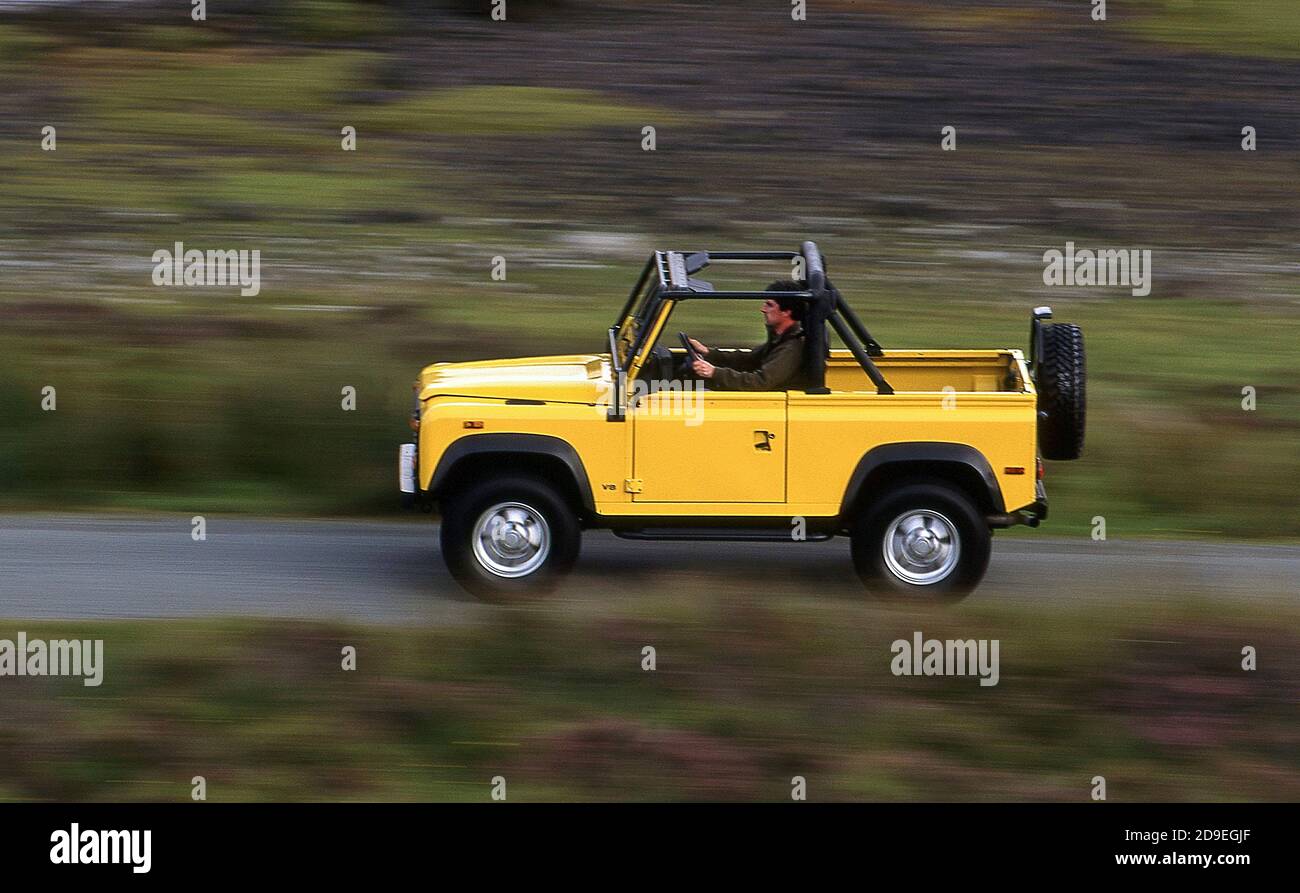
[[1061, 380]]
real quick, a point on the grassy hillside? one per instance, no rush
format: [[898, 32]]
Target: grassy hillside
[[746, 695], [475, 141]]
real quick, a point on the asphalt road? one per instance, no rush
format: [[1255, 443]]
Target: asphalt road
[[63, 567]]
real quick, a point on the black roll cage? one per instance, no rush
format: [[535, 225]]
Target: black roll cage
[[674, 271]]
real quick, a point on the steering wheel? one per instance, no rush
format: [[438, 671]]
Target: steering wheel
[[688, 362]]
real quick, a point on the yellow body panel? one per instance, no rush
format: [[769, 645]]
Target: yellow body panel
[[830, 433], [735, 454], [574, 378], [604, 447], [683, 468]]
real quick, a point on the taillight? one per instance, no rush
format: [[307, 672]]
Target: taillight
[[1040, 468]]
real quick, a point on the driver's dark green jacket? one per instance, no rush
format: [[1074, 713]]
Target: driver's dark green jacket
[[773, 366]]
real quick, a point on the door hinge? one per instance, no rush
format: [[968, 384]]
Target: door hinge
[[632, 485]]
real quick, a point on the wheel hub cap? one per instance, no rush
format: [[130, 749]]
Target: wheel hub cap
[[511, 539], [921, 547]]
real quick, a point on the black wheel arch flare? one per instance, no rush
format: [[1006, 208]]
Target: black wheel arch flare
[[535, 445], [962, 458]]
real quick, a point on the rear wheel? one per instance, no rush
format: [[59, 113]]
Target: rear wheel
[[509, 537], [924, 540]]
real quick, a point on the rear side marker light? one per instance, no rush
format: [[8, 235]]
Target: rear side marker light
[[473, 424], [1014, 469]]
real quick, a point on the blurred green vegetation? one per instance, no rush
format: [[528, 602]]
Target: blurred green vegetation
[[19, 45], [376, 262], [117, 88], [242, 413], [502, 109], [745, 695], [1269, 28]]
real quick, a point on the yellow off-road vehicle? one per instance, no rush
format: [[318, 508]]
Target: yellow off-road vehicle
[[916, 455]]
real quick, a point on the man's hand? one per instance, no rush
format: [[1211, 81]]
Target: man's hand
[[699, 348], [702, 368]]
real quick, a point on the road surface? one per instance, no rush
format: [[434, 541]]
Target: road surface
[[64, 567]]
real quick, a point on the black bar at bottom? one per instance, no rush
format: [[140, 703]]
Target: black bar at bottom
[[333, 842]]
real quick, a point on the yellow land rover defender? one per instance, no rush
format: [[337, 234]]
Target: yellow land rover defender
[[915, 455]]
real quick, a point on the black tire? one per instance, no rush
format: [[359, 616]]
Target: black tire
[[953, 511], [465, 508], [1062, 403]]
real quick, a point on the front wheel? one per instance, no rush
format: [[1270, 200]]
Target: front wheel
[[924, 540], [509, 537]]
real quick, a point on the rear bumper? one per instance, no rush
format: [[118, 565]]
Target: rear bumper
[[1031, 515]]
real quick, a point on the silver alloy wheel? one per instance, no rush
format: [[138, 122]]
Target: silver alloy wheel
[[511, 539], [921, 546]]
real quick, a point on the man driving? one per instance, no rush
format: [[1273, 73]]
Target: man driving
[[773, 366]]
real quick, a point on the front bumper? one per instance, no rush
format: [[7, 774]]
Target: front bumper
[[406, 473]]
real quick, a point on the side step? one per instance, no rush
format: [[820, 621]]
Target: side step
[[719, 534]]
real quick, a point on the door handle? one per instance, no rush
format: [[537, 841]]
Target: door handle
[[763, 440]]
